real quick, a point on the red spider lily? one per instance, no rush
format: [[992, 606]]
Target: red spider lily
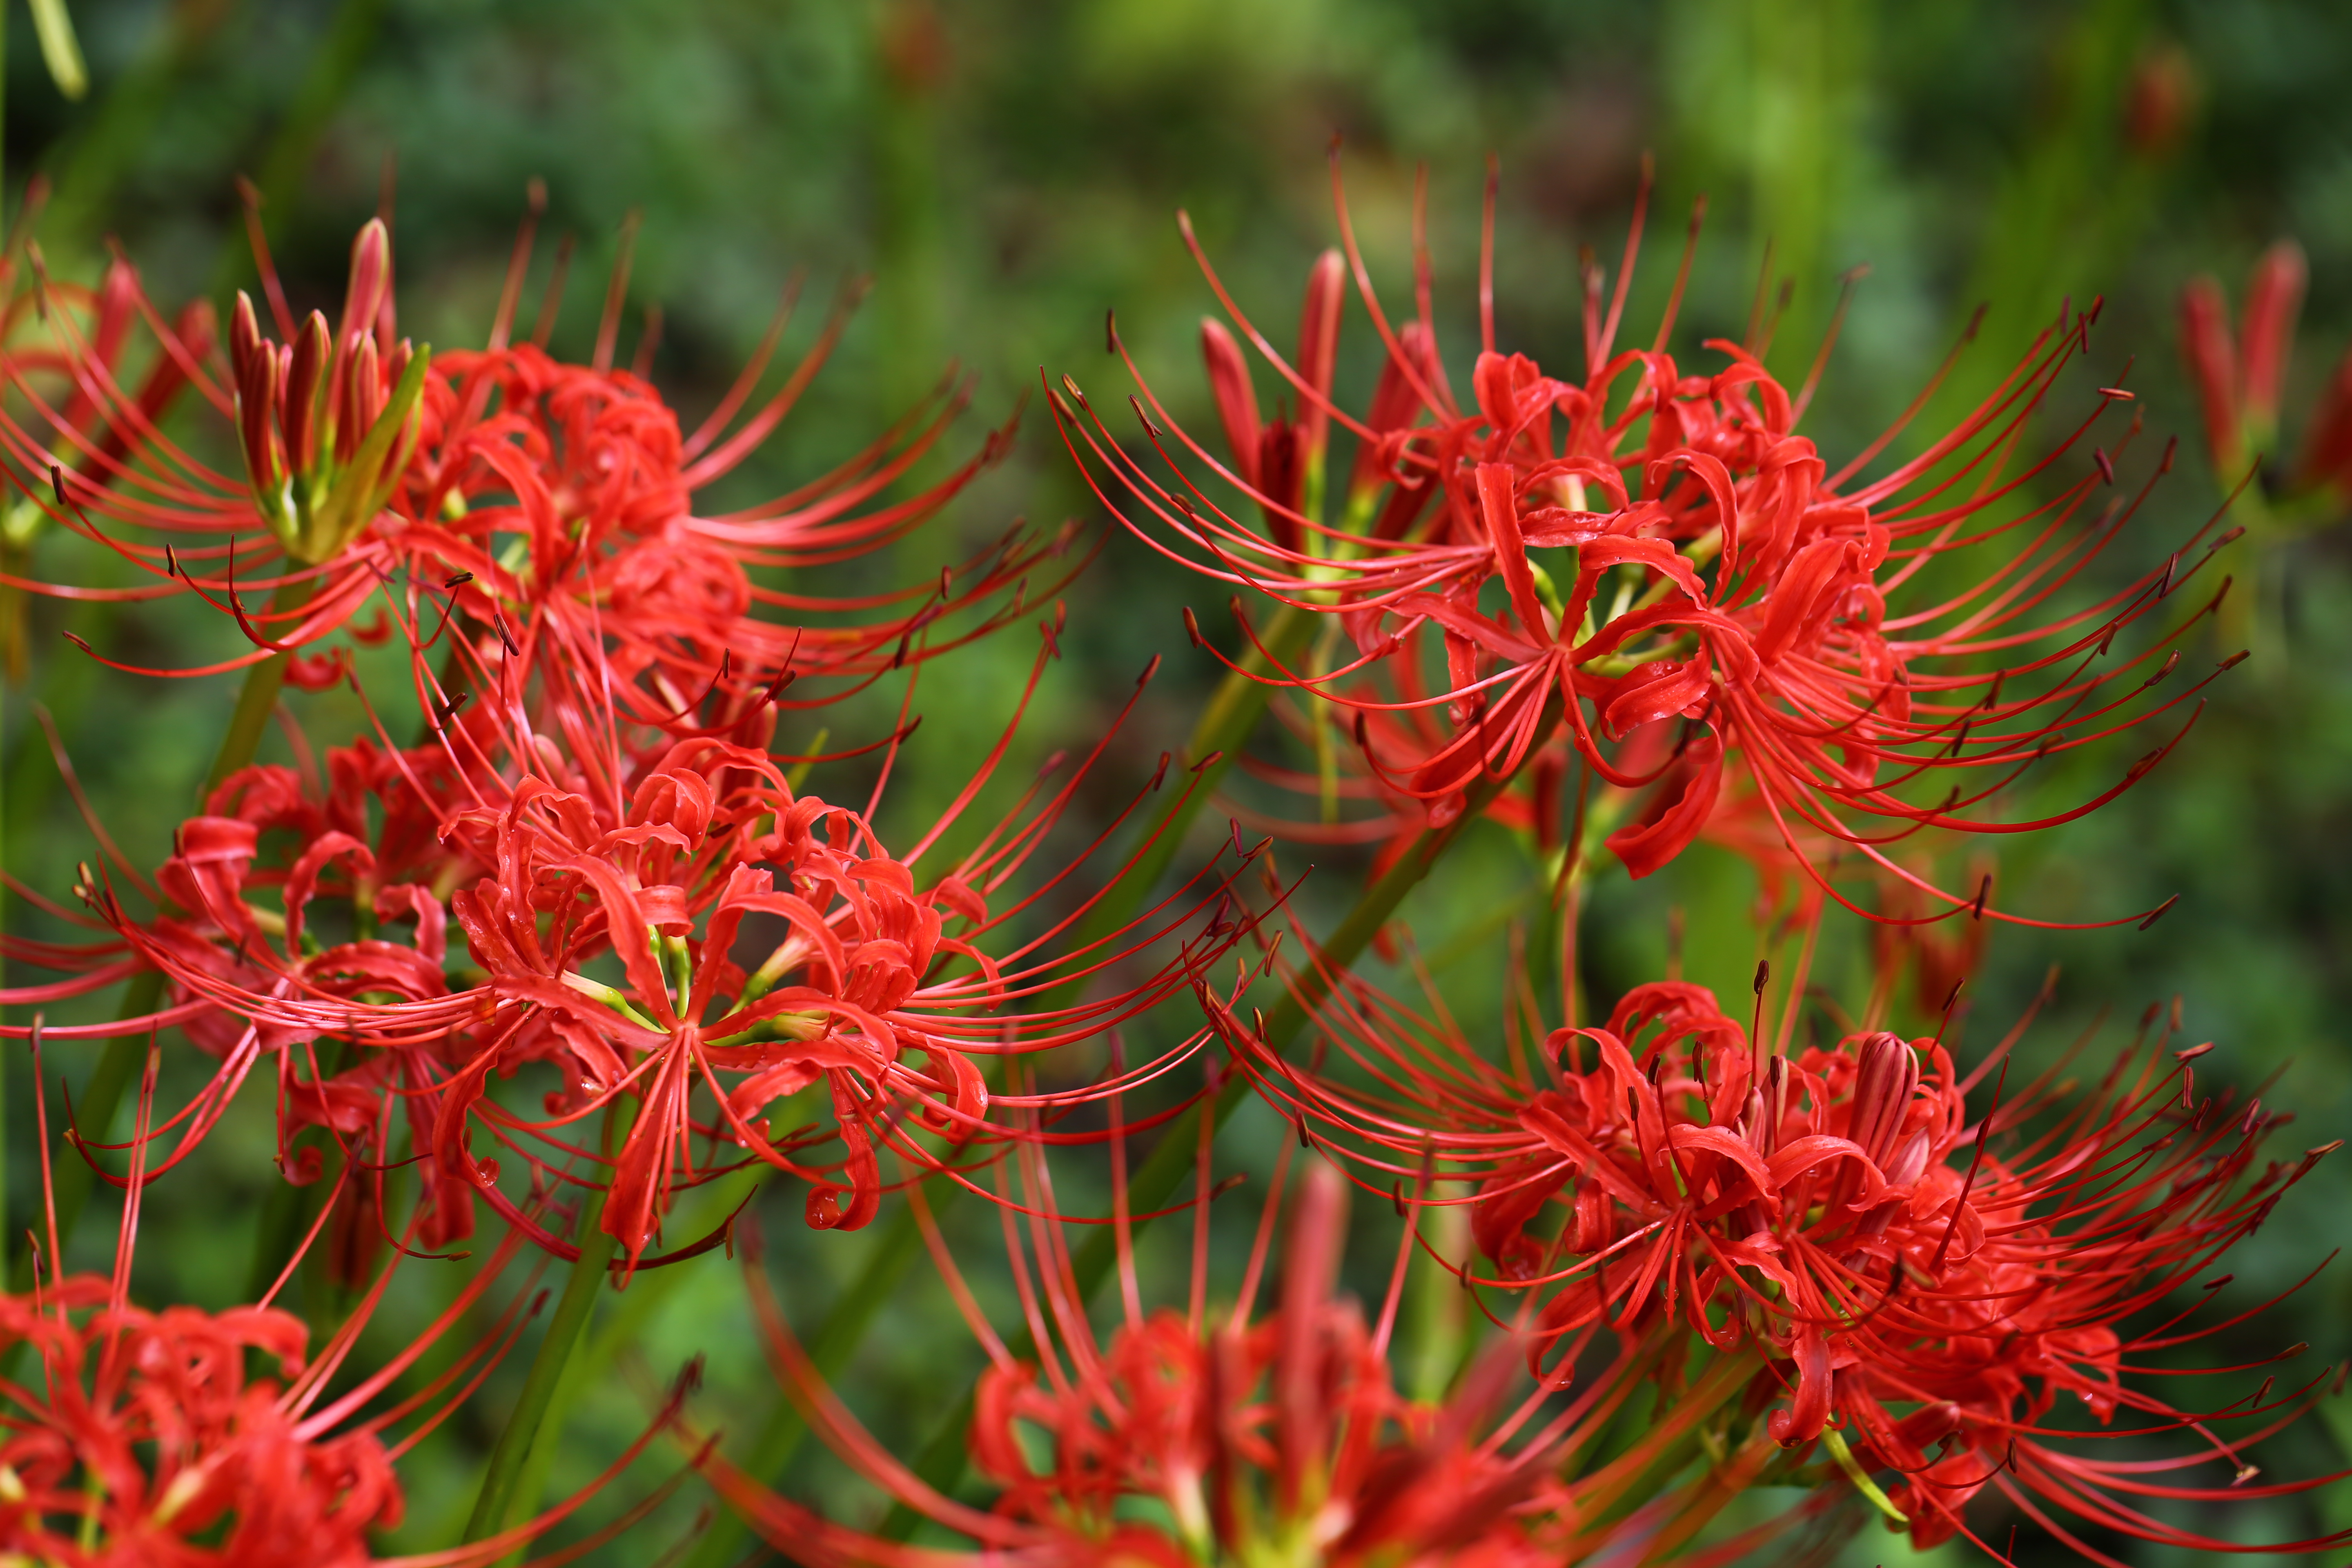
[[1714, 571], [540, 489], [888, 993], [145, 1440], [1272, 1437], [603, 558], [1837, 1211]]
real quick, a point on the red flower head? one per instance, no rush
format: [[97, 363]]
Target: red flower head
[[535, 492], [153, 1446], [1912, 1300], [1666, 549], [606, 905], [890, 991], [290, 900]]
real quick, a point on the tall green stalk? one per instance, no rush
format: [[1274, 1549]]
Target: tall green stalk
[[621, 1329], [502, 1475]]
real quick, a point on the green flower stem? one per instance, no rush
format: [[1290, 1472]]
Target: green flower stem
[[502, 1478], [622, 1328], [118, 1064], [1217, 740], [1437, 1307]]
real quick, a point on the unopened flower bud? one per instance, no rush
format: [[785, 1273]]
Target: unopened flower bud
[[244, 337], [1228, 382], [2272, 304], [1885, 1079], [305, 368], [1318, 349], [2159, 101], [360, 398], [256, 400], [1318, 1231], [370, 275]]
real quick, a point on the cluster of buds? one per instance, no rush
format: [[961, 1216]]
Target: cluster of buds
[[328, 422]]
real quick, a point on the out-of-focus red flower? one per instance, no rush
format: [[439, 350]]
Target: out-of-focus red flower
[[1650, 546], [2159, 101], [2239, 378]]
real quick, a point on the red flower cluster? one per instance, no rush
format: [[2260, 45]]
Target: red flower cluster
[[145, 1437], [1913, 1287], [1680, 577], [553, 500], [585, 817], [583, 938]]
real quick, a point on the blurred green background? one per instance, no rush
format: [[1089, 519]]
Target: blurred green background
[[1007, 170]]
